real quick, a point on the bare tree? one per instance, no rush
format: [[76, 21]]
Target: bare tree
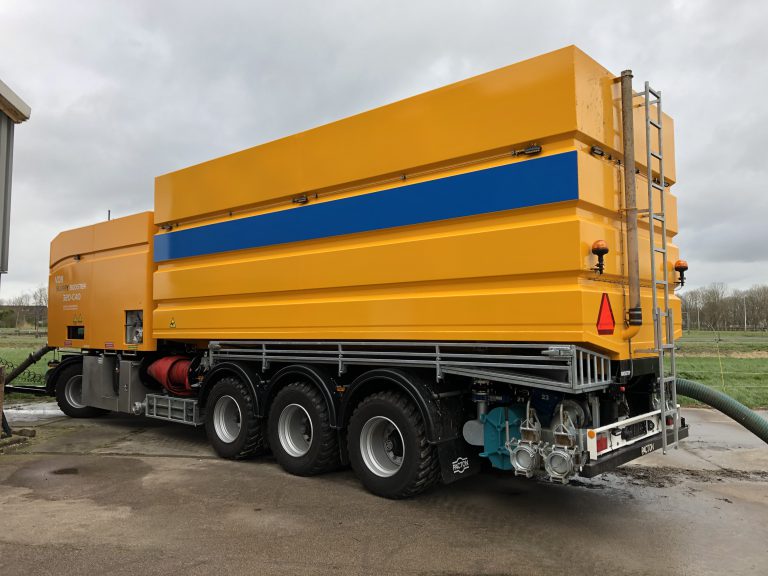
[[691, 301], [40, 296], [719, 308], [20, 304], [714, 299], [758, 306]]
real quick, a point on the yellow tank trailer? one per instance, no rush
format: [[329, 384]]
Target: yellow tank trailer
[[454, 269], [412, 221]]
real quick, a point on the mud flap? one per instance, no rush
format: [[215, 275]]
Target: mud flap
[[458, 460]]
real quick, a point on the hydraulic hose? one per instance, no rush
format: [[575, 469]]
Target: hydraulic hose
[[31, 359], [725, 404]]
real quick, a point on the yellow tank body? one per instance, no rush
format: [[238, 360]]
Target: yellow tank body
[[420, 220]]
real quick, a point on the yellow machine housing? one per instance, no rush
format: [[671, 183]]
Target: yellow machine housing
[[436, 218], [98, 274]]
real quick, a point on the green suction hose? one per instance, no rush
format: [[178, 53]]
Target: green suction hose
[[725, 404]]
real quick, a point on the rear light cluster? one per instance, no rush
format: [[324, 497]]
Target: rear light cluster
[[602, 440]]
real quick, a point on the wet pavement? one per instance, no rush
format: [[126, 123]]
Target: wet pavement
[[127, 495]]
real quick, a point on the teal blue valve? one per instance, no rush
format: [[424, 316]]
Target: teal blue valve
[[495, 434]]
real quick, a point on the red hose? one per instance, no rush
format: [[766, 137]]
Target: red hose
[[171, 372]]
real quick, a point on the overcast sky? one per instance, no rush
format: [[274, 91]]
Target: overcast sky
[[123, 91]]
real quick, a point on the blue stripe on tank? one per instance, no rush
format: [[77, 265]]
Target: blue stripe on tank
[[523, 184]]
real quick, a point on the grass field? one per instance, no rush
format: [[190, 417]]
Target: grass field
[[733, 362], [714, 343], [14, 348]]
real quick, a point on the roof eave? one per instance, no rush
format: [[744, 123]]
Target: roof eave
[[13, 106]]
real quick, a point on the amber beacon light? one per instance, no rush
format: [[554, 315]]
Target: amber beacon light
[[599, 249], [681, 267]]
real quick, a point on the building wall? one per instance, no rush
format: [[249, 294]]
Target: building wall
[[6, 164]]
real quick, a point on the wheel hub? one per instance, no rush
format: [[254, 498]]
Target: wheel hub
[[294, 429], [381, 446], [73, 391], [227, 419]]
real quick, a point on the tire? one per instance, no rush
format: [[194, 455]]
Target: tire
[[300, 433], [233, 428], [69, 389], [388, 447]]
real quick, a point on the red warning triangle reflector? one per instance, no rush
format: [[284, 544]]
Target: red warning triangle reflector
[[605, 320]]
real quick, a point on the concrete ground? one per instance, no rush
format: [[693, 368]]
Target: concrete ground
[[125, 495]]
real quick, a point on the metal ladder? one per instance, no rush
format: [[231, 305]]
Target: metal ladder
[[663, 321]]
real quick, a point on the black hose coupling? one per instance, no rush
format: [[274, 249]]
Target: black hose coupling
[[635, 317]]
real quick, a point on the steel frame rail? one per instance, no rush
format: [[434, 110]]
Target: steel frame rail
[[566, 367]]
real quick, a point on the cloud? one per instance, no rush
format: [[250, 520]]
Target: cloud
[[123, 92]]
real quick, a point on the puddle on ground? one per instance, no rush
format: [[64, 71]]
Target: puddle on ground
[[61, 478]]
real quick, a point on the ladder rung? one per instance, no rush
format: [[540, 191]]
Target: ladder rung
[[654, 93], [659, 217], [657, 186], [655, 155], [660, 250], [661, 283], [667, 346], [654, 124]]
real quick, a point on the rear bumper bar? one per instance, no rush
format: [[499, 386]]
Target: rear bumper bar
[[623, 455]]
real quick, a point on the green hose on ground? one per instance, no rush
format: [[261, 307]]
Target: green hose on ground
[[725, 404]]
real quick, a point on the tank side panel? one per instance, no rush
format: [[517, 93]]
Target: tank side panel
[[516, 275], [529, 101], [503, 275], [457, 252], [491, 189]]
